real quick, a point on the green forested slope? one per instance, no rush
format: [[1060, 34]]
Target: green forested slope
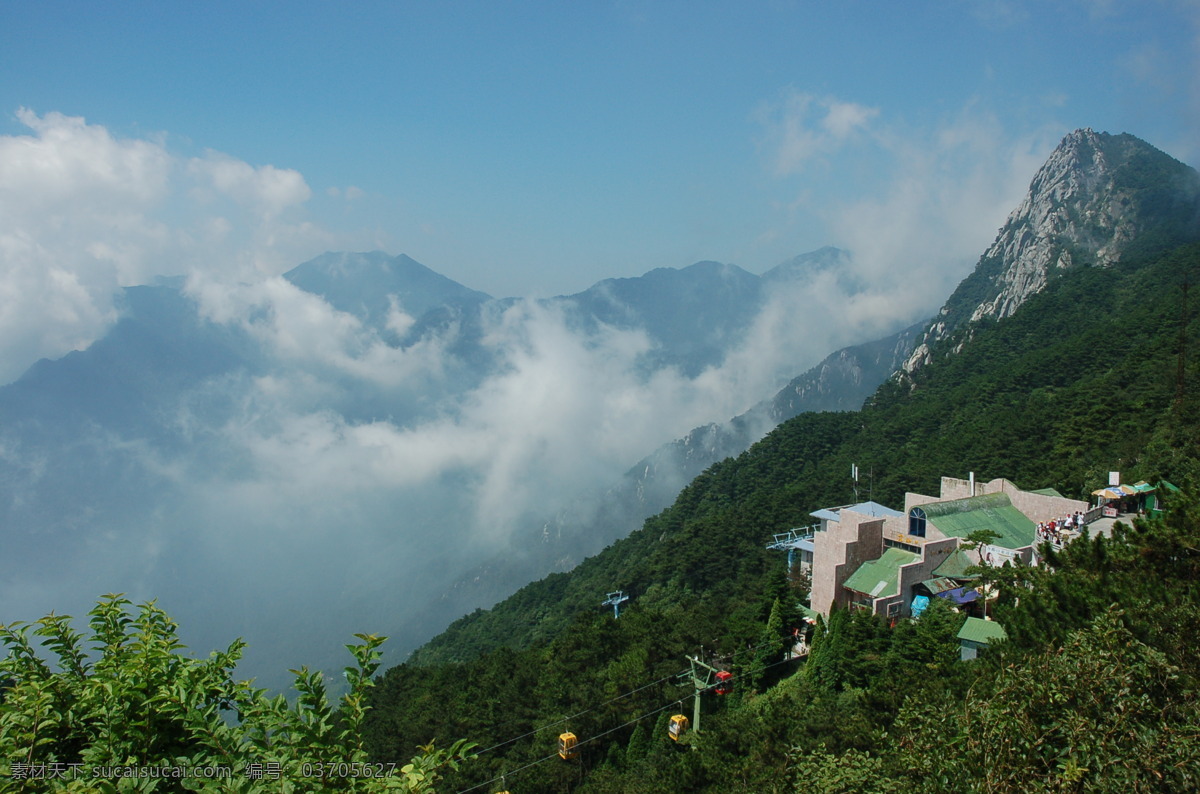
[[1082, 380]]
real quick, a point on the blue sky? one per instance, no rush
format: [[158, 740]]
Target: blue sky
[[530, 148]]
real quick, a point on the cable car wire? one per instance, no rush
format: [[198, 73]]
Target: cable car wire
[[582, 742], [579, 743], [506, 774], [659, 710], [680, 674], [579, 714]]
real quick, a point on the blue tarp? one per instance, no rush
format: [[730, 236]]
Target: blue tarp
[[960, 595]]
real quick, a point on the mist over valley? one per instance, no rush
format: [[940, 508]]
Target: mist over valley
[[331, 451]]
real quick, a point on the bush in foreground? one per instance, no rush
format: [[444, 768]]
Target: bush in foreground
[[124, 710]]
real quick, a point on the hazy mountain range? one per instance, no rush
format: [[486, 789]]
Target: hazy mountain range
[[333, 450]]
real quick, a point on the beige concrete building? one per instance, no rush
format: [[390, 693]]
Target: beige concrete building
[[877, 558]]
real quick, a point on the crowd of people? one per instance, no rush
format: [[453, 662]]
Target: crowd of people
[[1055, 530]]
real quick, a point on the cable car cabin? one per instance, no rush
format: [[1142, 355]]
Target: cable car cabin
[[724, 682], [677, 726], [566, 746]]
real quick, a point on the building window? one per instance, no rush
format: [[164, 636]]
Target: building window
[[916, 522], [889, 543], [893, 609]]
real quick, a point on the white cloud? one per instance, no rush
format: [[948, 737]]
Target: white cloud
[[947, 196], [1166, 83], [265, 189], [304, 333], [939, 196], [67, 164], [1100, 9], [84, 212], [74, 225], [560, 412], [801, 127], [306, 508], [844, 118], [350, 193], [1152, 69]]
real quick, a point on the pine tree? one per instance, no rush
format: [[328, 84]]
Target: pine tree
[[639, 743], [827, 656], [770, 646]]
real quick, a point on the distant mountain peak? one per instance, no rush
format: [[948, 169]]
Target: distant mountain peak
[[826, 259], [1094, 197], [706, 268], [365, 284], [360, 266]]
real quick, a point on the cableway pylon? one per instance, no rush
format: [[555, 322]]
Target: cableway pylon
[[615, 600]]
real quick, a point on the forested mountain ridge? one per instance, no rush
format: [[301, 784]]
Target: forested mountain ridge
[[1095, 197], [1026, 400], [1095, 193], [1083, 378]]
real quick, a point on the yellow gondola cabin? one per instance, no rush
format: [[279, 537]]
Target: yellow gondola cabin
[[677, 726], [566, 746]]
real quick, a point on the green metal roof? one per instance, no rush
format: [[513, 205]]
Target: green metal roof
[[982, 631], [955, 565], [941, 584], [958, 518], [880, 578], [1047, 492]]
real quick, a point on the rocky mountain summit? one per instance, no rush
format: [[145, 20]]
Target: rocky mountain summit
[[1095, 199]]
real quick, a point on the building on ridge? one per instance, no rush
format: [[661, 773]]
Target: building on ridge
[[872, 557]]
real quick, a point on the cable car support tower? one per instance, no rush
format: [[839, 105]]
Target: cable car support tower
[[703, 678], [615, 600]]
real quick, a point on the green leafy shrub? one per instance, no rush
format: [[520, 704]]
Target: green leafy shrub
[[124, 710]]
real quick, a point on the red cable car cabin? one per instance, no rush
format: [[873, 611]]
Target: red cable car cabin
[[724, 682]]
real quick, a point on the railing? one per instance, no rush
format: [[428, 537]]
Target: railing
[[792, 538]]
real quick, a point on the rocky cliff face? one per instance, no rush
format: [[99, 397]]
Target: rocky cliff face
[[1093, 199]]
